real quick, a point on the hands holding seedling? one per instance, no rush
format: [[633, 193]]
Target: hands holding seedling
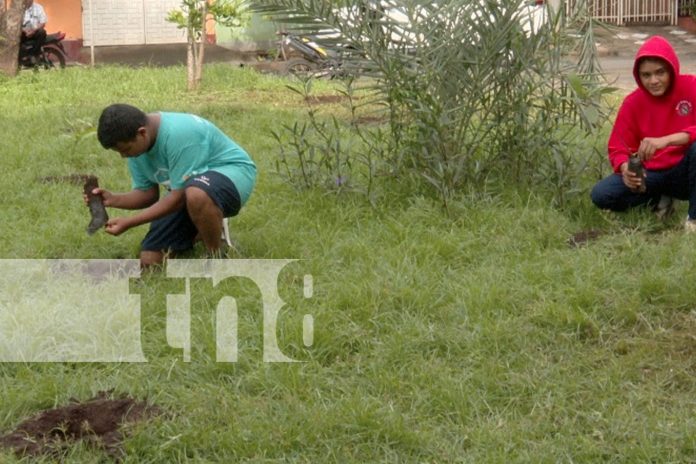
[[632, 170], [135, 199], [95, 200], [113, 226], [633, 173]]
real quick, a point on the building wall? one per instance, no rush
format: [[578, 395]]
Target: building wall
[[63, 15], [157, 29], [129, 22], [116, 22]]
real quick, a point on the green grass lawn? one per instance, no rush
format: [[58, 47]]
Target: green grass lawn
[[481, 336]]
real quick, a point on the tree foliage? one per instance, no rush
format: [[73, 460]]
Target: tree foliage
[[193, 16]]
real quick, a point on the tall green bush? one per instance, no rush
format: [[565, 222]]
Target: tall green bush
[[474, 92]]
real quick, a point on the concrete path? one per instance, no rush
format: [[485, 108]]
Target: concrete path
[[618, 47]]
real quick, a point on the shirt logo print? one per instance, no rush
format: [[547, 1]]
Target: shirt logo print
[[684, 108]]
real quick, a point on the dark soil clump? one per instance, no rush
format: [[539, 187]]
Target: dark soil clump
[[324, 99], [581, 238], [371, 120], [97, 421], [75, 179]]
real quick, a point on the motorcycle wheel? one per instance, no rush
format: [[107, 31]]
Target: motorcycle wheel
[[53, 58], [299, 67]]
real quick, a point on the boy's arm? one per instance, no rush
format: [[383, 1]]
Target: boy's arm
[[135, 199], [650, 145], [169, 204], [624, 138]]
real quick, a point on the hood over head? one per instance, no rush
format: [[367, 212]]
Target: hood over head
[[657, 47]]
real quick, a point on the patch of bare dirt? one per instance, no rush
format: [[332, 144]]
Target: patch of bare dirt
[[324, 99], [583, 237], [371, 120], [97, 421], [274, 67], [75, 179]]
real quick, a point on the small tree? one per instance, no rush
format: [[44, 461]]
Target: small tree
[[193, 16], [11, 13]]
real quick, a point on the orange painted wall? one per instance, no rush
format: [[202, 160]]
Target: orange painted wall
[[63, 15], [66, 16]]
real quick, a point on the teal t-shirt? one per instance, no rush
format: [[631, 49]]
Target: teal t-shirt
[[188, 145]]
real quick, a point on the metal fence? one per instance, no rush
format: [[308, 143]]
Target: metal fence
[[687, 7], [622, 12]]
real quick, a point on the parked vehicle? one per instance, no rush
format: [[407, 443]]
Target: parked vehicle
[[301, 55], [323, 54], [51, 56]]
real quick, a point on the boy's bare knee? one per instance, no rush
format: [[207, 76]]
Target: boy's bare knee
[[151, 258], [199, 205], [196, 198]]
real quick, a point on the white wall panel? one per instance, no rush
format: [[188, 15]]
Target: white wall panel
[[129, 22], [157, 30]]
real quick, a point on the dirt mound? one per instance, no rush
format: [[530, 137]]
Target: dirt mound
[[97, 421], [76, 179], [583, 237]]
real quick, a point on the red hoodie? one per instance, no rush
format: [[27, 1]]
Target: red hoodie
[[643, 115]]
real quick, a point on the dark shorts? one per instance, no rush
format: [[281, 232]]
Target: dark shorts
[[175, 232]]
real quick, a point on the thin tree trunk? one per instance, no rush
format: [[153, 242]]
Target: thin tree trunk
[[199, 62], [11, 14], [201, 46], [196, 38], [191, 60]]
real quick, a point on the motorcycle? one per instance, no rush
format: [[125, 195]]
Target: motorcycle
[[303, 56], [51, 56]]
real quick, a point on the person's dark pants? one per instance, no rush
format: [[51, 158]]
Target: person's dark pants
[[34, 43], [678, 182], [176, 231]]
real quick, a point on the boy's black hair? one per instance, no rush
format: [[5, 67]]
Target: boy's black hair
[[656, 59], [119, 123]]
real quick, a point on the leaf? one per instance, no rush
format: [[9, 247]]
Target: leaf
[[577, 85]]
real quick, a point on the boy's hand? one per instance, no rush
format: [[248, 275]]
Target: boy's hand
[[630, 179], [649, 145], [117, 226], [107, 197]]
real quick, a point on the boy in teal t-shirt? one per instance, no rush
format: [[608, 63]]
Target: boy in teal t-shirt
[[208, 176]]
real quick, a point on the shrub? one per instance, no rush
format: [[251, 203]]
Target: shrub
[[474, 91]]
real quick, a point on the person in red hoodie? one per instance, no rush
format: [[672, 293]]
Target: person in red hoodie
[[657, 121]]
